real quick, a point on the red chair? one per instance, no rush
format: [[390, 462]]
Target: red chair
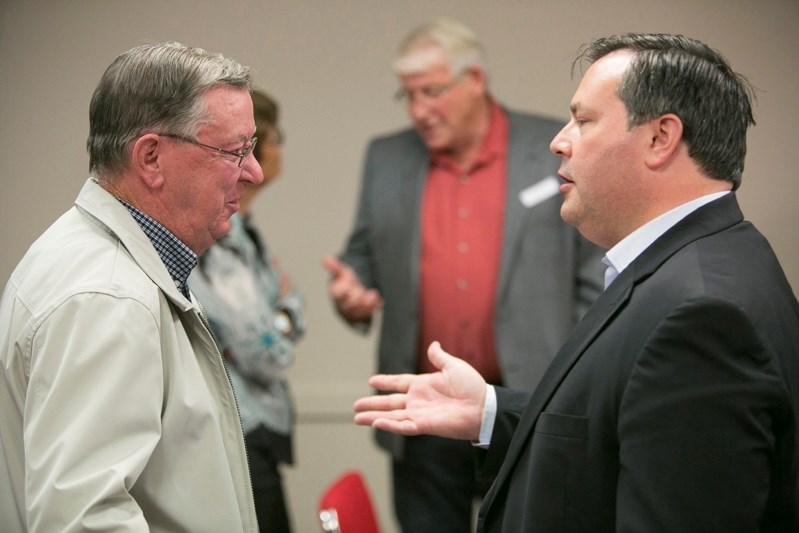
[[346, 506]]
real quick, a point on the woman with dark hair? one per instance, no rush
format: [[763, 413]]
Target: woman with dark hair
[[256, 316]]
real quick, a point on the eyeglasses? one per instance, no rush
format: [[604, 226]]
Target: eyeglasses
[[241, 155], [426, 94]]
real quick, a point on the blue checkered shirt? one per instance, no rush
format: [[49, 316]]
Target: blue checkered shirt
[[177, 257]]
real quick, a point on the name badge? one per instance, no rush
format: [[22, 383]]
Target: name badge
[[543, 190]]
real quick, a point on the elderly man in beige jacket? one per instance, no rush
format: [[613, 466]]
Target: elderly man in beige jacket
[[116, 412]]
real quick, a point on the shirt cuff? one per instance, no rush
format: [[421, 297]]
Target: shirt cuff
[[489, 416]]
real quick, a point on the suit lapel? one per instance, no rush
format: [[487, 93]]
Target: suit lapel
[[519, 161], [416, 177], [603, 310]]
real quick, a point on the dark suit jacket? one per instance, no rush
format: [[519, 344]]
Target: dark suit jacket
[[672, 407], [549, 274]]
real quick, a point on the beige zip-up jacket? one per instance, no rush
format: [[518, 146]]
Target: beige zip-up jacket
[[116, 412]]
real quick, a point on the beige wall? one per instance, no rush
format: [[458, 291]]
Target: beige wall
[[326, 61]]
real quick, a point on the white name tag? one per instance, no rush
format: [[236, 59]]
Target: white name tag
[[543, 190]]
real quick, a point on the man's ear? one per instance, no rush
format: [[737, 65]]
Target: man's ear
[[145, 159], [477, 77], [665, 137]]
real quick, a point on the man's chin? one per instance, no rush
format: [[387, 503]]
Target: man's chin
[[567, 213], [221, 230], [438, 146], [434, 140]]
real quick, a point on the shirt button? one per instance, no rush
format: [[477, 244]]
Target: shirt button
[[463, 247], [462, 284], [463, 212]]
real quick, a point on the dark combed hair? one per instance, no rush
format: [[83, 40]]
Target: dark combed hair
[[679, 75]]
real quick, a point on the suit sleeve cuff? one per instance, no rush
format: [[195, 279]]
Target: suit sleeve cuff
[[489, 416]]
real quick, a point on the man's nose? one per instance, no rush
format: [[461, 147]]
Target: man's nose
[[251, 169], [560, 145]]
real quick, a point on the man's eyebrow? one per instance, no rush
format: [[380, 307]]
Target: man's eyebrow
[[243, 139]]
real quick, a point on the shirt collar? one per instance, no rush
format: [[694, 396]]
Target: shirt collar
[[494, 145], [620, 256], [178, 258]]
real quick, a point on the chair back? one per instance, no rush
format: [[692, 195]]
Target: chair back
[[346, 506]]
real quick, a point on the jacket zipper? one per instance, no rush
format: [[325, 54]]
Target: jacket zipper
[[207, 324]]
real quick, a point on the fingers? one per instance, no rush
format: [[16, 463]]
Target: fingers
[[343, 283], [331, 264], [352, 298], [392, 382], [437, 355], [349, 293], [379, 402], [402, 427], [371, 299], [398, 384], [385, 412]]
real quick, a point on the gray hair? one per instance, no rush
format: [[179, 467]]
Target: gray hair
[[154, 88], [459, 43], [683, 76]]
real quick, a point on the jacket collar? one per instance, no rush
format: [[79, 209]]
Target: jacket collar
[[526, 148], [99, 204]]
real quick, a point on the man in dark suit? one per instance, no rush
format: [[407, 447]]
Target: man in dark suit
[[673, 406], [458, 233]]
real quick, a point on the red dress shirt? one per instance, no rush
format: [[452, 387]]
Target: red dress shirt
[[462, 218]]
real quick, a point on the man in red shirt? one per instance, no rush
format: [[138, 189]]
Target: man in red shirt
[[458, 238]]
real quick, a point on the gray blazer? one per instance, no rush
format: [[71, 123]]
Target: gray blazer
[[549, 275]]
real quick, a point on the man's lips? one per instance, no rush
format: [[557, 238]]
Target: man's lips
[[425, 128], [567, 183], [425, 132]]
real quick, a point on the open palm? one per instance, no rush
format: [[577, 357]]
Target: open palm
[[447, 403]]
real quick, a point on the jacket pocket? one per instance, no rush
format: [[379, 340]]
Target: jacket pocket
[[558, 468], [575, 427]]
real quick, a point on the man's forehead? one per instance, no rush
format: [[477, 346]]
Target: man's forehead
[[611, 66], [230, 112], [226, 93], [602, 76]]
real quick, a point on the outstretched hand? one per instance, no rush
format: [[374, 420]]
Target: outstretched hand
[[448, 403]]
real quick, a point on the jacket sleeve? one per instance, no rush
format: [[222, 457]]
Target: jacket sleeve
[[510, 406], [92, 414], [699, 423], [358, 252]]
